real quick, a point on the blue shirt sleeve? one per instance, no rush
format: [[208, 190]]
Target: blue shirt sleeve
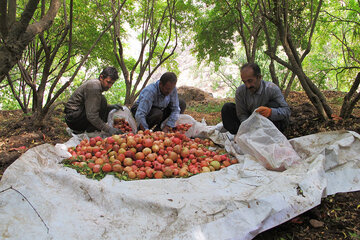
[[145, 103], [175, 109]]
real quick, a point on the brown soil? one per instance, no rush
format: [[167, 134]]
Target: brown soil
[[338, 214]]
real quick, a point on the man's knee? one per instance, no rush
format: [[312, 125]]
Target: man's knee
[[228, 109], [229, 118], [154, 117], [281, 125]]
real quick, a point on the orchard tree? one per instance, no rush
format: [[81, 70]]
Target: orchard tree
[[343, 24], [17, 32], [293, 20], [225, 25], [154, 25], [222, 23], [52, 55]]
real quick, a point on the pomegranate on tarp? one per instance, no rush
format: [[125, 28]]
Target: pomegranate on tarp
[[146, 155]]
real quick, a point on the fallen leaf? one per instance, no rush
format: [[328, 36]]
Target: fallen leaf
[[17, 149], [297, 220]]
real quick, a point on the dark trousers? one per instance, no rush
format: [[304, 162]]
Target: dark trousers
[[232, 123], [156, 116], [229, 118], [77, 120]]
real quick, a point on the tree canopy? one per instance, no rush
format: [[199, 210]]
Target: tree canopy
[[48, 48]]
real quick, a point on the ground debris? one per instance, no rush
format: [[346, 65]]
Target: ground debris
[[316, 224]]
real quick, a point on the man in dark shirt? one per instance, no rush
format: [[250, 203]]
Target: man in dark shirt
[[255, 93], [157, 102], [87, 109]]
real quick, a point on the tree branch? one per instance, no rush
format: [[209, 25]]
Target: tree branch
[[46, 21], [3, 19], [15, 94], [67, 61]]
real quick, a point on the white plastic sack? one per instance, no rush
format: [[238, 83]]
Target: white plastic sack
[[259, 137], [183, 119], [198, 129], [125, 114]]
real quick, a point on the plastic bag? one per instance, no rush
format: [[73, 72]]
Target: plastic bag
[[125, 114], [198, 129], [259, 137]]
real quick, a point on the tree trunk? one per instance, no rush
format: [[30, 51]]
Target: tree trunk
[[38, 118], [128, 100], [279, 16], [288, 87], [273, 73], [20, 34], [313, 93], [349, 103]]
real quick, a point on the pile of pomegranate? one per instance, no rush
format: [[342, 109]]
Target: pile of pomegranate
[[147, 154], [182, 127], [122, 124]]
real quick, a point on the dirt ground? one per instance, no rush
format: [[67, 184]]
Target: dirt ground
[[337, 217]]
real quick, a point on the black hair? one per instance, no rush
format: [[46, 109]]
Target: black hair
[[168, 77], [255, 68], [110, 72]]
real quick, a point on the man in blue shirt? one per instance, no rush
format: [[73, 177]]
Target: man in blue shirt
[[258, 94], [157, 102]]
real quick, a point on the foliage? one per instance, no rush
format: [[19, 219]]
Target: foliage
[[215, 32], [327, 59], [334, 61], [228, 73], [156, 26], [55, 56], [220, 31], [116, 94], [7, 100], [209, 108]]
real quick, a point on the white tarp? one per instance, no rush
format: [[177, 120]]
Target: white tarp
[[237, 202]]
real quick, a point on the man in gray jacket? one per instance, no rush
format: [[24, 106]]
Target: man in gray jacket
[[255, 93], [87, 109]]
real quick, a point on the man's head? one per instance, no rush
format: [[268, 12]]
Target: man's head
[[251, 76], [167, 83], [108, 77]]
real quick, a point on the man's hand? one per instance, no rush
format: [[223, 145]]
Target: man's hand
[[115, 131], [166, 129], [141, 127], [265, 111], [116, 106]]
